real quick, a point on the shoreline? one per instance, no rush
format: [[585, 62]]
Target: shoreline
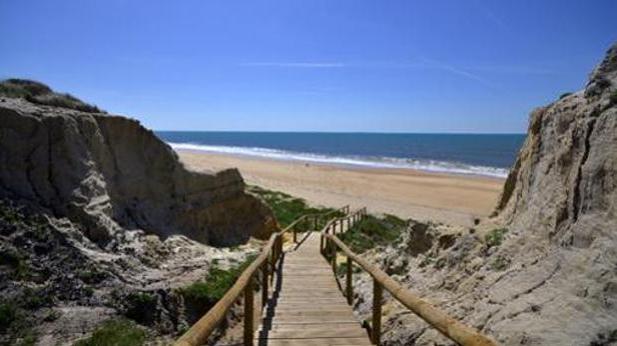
[[450, 198], [376, 162]]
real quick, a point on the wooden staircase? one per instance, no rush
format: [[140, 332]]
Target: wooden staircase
[[307, 307]]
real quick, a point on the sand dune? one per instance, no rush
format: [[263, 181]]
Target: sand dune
[[446, 198]]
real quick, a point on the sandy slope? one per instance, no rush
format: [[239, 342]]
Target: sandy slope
[[452, 199]]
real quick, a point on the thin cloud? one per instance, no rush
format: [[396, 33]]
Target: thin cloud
[[419, 64], [295, 64], [514, 69], [434, 64]]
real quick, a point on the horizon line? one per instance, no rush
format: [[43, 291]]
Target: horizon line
[[351, 132]]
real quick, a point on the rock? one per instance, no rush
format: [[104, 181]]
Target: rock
[[551, 279], [99, 219], [110, 173]]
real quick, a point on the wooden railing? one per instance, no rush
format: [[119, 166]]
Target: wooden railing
[[267, 261], [448, 326]]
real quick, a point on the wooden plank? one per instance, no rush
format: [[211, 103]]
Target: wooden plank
[[319, 342], [310, 308], [321, 332], [310, 319], [314, 326]]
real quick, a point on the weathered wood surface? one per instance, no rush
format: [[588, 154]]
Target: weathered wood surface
[[307, 307]]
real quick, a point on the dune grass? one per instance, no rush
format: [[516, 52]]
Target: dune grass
[[373, 231], [118, 332], [41, 94], [495, 237], [287, 208], [206, 293]]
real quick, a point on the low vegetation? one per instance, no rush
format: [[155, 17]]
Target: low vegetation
[[140, 306], [218, 282], [495, 237], [287, 208], [564, 95], [119, 332], [373, 231], [500, 263], [7, 315], [40, 93]]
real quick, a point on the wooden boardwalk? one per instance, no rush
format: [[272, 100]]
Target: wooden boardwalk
[[307, 307]]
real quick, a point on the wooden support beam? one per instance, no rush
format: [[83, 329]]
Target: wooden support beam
[[349, 287], [376, 325], [264, 284], [249, 315]]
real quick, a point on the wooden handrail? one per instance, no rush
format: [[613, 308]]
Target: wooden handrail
[[448, 326], [200, 331]]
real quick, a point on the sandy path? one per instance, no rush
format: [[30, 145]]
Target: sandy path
[[453, 199]]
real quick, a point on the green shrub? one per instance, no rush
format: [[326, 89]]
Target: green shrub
[[287, 208], [500, 263], [372, 231], [118, 332], [218, 282], [8, 313], [141, 306], [40, 93], [34, 298], [564, 95], [29, 339], [495, 237]]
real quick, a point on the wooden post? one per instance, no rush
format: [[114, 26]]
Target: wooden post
[[349, 282], [333, 257], [264, 284], [321, 244], [272, 264], [295, 237], [376, 326], [248, 314]]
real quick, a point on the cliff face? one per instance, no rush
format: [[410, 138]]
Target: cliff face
[[564, 184], [110, 173], [99, 220], [543, 270]]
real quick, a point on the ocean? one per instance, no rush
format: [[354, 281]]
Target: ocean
[[475, 154]]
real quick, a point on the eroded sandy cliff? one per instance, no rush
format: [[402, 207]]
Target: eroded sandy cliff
[[110, 173], [543, 270]]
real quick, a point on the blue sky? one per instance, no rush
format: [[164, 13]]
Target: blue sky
[[310, 65]]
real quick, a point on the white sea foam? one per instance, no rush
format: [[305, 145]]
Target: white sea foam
[[363, 161]]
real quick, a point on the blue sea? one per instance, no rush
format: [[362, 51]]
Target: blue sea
[[475, 154]]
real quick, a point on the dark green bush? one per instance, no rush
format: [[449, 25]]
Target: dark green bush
[[41, 94], [141, 307], [564, 95], [218, 282], [118, 332], [8, 313], [372, 231], [500, 263], [287, 208], [495, 237]]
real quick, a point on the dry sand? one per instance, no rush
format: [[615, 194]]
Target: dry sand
[[447, 198]]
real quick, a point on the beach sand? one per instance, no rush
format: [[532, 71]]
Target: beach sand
[[447, 198]]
